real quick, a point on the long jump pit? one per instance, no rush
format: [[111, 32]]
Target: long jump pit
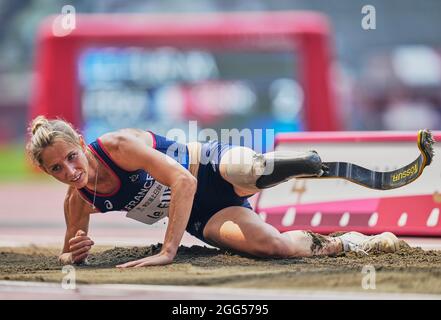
[[31, 234], [207, 273]]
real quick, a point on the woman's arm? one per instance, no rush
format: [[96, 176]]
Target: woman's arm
[[131, 151], [76, 242]]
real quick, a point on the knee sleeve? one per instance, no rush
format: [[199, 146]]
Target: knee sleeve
[[244, 167]]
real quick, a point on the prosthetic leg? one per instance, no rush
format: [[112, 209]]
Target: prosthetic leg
[[246, 168], [282, 166]]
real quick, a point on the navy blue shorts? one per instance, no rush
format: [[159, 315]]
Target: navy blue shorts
[[213, 193]]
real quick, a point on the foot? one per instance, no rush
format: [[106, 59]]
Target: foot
[[358, 242]]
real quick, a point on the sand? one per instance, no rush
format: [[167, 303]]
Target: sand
[[409, 270]]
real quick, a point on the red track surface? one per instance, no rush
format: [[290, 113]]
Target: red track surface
[[33, 214]]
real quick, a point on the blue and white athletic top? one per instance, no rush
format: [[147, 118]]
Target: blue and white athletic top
[[138, 193]]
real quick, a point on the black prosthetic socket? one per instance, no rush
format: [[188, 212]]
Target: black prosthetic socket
[[285, 166]]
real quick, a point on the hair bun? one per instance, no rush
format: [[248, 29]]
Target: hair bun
[[37, 123]]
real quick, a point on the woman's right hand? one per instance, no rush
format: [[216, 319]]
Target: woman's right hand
[[65, 258], [79, 247]]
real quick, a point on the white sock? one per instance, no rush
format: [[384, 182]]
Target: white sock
[[351, 238], [345, 244]]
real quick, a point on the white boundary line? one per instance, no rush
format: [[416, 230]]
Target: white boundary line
[[36, 290]]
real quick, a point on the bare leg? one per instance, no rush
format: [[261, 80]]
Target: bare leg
[[243, 230]]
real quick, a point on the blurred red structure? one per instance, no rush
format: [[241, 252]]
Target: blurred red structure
[[56, 88]]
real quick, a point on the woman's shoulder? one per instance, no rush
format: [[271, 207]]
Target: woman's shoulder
[[113, 141], [127, 147]]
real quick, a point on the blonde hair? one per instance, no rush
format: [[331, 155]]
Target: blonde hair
[[43, 133]]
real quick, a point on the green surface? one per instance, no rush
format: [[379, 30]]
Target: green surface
[[14, 164]]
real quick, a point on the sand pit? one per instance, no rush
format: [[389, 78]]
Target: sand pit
[[410, 270]]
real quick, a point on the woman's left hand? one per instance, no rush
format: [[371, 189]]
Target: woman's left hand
[[159, 259]]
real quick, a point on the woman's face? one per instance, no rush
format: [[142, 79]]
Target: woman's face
[[67, 163]]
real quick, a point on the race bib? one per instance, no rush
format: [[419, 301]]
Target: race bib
[[154, 206]]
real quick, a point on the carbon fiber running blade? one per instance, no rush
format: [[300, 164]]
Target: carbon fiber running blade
[[374, 179], [384, 180], [425, 144]]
